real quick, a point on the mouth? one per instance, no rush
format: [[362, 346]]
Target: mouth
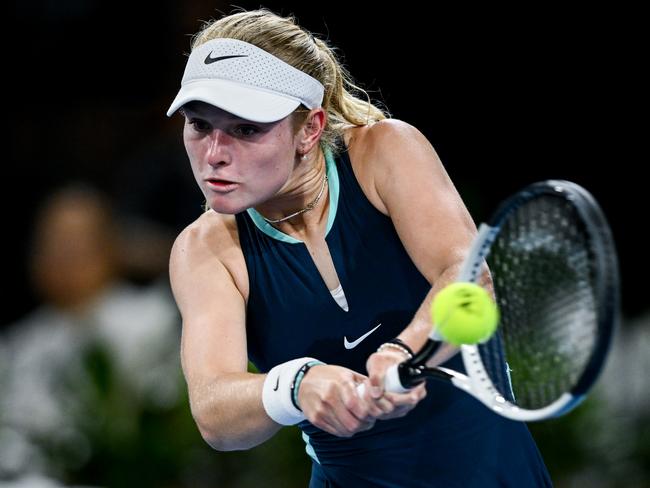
[[220, 184]]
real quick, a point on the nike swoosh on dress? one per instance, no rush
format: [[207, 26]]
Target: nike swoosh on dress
[[353, 344]]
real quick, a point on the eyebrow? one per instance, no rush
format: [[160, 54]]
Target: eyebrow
[[231, 117]]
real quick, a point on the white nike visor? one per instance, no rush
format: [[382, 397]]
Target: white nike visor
[[246, 81]]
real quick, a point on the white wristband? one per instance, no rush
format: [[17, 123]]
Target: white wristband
[[276, 394]]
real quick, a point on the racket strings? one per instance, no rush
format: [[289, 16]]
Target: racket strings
[[542, 268]]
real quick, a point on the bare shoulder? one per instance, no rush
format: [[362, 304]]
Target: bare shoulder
[[383, 132], [378, 149], [210, 231], [385, 139], [416, 192], [206, 237], [210, 240]]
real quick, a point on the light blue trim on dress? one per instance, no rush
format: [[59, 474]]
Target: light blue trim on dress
[[268, 229], [309, 448], [333, 183]]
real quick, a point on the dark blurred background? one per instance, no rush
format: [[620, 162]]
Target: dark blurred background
[[506, 96]]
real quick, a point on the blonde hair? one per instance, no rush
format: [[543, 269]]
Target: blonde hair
[[285, 39]]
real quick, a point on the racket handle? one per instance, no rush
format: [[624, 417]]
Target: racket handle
[[392, 382]]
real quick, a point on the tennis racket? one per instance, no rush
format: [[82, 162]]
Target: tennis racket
[[552, 260]]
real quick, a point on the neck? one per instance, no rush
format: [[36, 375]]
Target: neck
[[305, 204]]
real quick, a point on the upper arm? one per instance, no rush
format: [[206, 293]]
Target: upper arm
[[211, 305], [420, 198]]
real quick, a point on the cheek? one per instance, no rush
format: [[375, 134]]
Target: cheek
[[192, 151], [190, 147], [263, 182]]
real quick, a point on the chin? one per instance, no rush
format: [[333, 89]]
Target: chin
[[229, 208]]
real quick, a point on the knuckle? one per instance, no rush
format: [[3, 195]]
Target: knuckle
[[352, 425], [362, 413], [387, 407], [329, 391], [390, 408], [377, 412], [318, 415], [350, 402]]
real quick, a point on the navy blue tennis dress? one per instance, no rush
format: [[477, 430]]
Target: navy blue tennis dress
[[449, 439]]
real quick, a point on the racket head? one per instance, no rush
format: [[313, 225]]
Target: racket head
[[554, 270]]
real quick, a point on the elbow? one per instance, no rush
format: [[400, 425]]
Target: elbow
[[219, 440], [216, 439], [225, 426], [222, 444], [210, 437], [213, 432]]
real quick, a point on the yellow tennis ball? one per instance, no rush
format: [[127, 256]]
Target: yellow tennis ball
[[464, 313]]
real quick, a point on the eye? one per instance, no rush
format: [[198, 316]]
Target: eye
[[200, 125], [246, 130]]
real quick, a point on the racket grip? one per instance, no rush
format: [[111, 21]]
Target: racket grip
[[392, 382]]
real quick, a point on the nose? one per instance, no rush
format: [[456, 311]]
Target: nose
[[218, 150]]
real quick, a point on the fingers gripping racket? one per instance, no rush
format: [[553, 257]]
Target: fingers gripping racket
[[552, 260]]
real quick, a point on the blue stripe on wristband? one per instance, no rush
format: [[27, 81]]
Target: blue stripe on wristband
[[295, 384]]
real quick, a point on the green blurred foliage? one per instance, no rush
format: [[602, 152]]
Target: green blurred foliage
[[591, 447], [130, 442]]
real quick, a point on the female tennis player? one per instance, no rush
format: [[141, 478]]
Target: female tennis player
[[330, 228]]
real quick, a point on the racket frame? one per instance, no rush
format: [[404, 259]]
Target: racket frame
[[477, 382]]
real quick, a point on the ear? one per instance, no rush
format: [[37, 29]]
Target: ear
[[309, 134]]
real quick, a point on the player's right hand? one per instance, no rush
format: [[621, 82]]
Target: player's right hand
[[329, 399]]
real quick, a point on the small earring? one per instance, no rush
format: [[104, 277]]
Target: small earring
[[304, 156]]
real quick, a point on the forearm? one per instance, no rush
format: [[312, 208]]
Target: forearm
[[229, 411], [416, 333]]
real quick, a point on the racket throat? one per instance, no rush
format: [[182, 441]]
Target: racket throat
[[410, 375]]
